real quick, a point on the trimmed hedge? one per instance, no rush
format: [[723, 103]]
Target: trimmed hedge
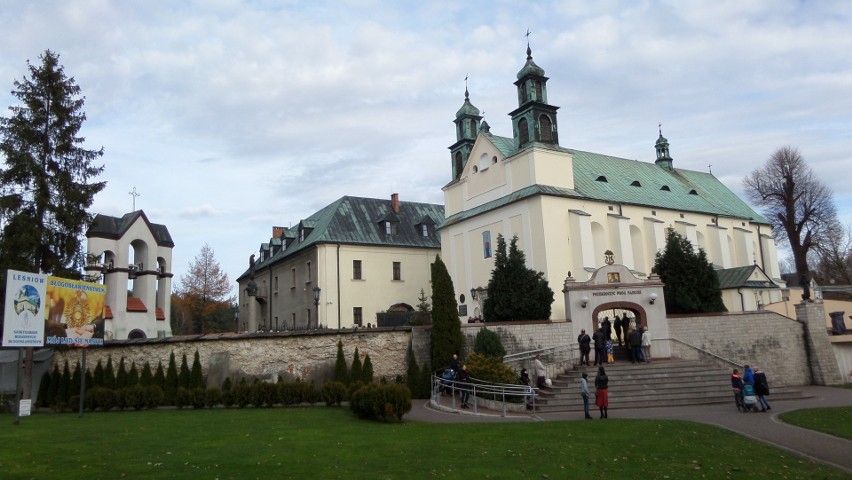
[[384, 403]]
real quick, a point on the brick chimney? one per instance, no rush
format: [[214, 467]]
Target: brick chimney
[[278, 232], [395, 202]]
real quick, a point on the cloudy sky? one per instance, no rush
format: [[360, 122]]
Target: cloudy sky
[[229, 117]]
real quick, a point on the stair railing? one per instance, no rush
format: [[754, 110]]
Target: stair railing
[[702, 351]]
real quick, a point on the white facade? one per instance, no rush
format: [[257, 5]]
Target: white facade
[[132, 254]]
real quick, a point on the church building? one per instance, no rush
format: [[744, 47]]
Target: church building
[[569, 207]]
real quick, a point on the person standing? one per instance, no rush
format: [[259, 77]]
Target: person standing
[[636, 344], [540, 374], [600, 344], [602, 392], [617, 325], [464, 385], [748, 376], [454, 363], [737, 387], [606, 327], [761, 388], [646, 344], [585, 342], [584, 392], [610, 354]]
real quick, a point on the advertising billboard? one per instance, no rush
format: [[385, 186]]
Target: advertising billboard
[[75, 312], [23, 320]]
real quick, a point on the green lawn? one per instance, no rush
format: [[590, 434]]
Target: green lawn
[[309, 443], [835, 421]]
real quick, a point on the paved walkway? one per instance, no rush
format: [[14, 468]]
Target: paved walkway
[[764, 427]]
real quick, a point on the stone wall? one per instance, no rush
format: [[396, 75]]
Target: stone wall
[[521, 336], [309, 356], [766, 339]]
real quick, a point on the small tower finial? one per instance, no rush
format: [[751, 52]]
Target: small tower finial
[[133, 193], [660, 126], [466, 94], [529, 50]]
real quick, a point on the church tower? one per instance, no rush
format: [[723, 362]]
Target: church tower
[[467, 127], [663, 160], [534, 120]]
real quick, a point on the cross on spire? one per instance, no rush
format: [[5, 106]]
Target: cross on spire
[[133, 193], [710, 167], [528, 37]]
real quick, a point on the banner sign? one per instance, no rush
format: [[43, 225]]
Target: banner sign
[[23, 324], [75, 312]]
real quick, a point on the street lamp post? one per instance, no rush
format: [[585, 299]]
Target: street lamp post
[[317, 291], [236, 319]]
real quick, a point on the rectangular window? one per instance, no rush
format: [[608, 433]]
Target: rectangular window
[[357, 317], [276, 285], [308, 272], [397, 271], [293, 277], [425, 230], [356, 269], [486, 244], [293, 317], [308, 317]]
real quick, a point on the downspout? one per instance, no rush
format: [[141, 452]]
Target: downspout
[[742, 299], [269, 296], [760, 246], [338, 287]]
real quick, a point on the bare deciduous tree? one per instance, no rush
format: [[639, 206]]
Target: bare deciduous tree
[[834, 256], [800, 206]]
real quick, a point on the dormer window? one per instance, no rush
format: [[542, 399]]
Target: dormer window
[[636, 183], [601, 179], [390, 228], [424, 230], [426, 226], [301, 235], [665, 188], [693, 192]]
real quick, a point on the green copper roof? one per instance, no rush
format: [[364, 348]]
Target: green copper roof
[[359, 221], [530, 68], [738, 277], [630, 182], [467, 109]]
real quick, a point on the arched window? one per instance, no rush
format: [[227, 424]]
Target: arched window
[[538, 95], [459, 165], [546, 128], [523, 131]]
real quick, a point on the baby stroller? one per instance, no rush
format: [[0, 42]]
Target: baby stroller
[[448, 376], [749, 399]]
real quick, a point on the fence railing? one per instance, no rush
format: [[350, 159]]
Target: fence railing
[[700, 352], [479, 392]]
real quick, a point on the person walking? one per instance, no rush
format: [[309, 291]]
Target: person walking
[[600, 344], [646, 344], [636, 345], [585, 342], [617, 326], [540, 373], [584, 392], [737, 387], [761, 388], [602, 391], [463, 379], [748, 376]]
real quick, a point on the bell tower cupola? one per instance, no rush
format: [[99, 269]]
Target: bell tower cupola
[[467, 127], [534, 120], [663, 160]]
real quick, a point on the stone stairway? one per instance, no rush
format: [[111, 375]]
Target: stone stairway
[[664, 382]]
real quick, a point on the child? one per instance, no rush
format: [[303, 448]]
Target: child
[[609, 355]]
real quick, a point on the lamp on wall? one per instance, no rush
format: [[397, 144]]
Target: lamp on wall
[[317, 291], [473, 294], [653, 298], [584, 301]]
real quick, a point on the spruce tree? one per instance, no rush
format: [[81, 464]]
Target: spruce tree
[[160, 377], [53, 390], [76, 377], [146, 378], [98, 377], [64, 393], [412, 374], [47, 183], [184, 377], [109, 375], [446, 326], [121, 375], [44, 390], [341, 372], [133, 375], [515, 292], [367, 370], [690, 283], [171, 382], [196, 377], [357, 370]]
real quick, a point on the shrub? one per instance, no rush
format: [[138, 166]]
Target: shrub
[[354, 387], [290, 393], [154, 396], [228, 398], [341, 372], [212, 397], [367, 370], [226, 385], [385, 403], [488, 343], [357, 367], [136, 397], [264, 394], [198, 397], [333, 393], [242, 395], [183, 397], [100, 398], [309, 392], [490, 369]]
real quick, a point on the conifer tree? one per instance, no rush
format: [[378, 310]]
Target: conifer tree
[[196, 377], [367, 371], [64, 393], [98, 377], [341, 372], [357, 369], [446, 326], [171, 383], [160, 377], [76, 377], [109, 375], [53, 390], [44, 390], [146, 378], [133, 375], [184, 377], [515, 292], [690, 283], [121, 375]]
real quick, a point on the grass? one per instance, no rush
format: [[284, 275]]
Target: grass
[[329, 443], [835, 421]]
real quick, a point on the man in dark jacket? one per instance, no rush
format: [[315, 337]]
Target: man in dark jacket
[[636, 344], [463, 378], [617, 326], [600, 344], [585, 342], [761, 388]]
